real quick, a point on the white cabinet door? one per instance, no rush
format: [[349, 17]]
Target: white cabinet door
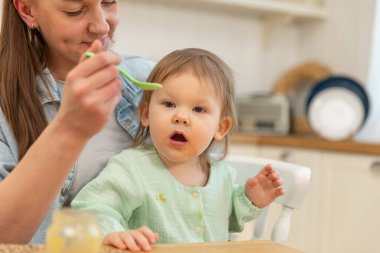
[[352, 198], [306, 230], [342, 207]]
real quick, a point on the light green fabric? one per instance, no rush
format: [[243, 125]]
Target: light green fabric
[[135, 189]]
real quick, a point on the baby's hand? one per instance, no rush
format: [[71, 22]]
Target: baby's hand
[[264, 187], [132, 240]]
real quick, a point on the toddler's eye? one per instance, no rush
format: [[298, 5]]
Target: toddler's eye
[[168, 104], [198, 109]]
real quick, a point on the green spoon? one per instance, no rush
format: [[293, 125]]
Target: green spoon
[[142, 85]]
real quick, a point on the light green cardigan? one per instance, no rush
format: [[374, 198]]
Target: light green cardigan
[[135, 189]]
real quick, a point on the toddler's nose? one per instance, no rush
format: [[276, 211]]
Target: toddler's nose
[[180, 119]]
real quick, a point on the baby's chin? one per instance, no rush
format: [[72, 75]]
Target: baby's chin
[[178, 156]]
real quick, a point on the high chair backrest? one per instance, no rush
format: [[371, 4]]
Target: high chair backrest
[[296, 180]]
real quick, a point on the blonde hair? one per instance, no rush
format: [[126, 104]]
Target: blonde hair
[[205, 65], [22, 57]]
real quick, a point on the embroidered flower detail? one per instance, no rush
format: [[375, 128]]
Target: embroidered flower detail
[[161, 197]]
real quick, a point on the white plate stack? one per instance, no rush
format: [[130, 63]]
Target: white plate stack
[[337, 107]]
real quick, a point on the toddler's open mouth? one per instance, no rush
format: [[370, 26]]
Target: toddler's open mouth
[[178, 137]]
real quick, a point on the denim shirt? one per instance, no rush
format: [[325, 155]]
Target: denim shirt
[[125, 112]]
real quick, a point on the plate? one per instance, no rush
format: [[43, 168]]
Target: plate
[[337, 108]]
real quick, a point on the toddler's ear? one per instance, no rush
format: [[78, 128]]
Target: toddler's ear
[[225, 125], [144, 114]]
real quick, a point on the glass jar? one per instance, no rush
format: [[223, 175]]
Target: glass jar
[[73, 231]]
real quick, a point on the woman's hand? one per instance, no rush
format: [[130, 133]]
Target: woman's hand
[[264, 187], [91, 92], [132, 240]]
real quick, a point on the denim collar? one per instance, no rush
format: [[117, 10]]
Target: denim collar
[[48, 89]]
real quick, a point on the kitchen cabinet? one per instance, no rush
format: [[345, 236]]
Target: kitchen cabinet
[[352, 206], [305, 231], [341, 208]]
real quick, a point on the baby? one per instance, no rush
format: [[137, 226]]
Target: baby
[[169, 189]]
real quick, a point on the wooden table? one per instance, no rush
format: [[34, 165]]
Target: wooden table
[[222, 247]]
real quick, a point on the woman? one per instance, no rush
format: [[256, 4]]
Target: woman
[[58, 126]]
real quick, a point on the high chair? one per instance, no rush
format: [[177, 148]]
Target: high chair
[[296, 180]]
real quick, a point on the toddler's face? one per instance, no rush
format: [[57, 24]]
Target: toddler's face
[[183, 118]]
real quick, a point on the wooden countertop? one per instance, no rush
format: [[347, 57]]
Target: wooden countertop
[[309, 142], [222, 247]]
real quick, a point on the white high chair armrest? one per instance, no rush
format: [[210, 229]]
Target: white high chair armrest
[[296, 181]]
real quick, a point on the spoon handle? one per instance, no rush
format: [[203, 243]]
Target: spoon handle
[[137, 83], [142, 85]]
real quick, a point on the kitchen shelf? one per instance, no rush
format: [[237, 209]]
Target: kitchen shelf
[[292, 9]]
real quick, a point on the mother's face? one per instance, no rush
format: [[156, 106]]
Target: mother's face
[[70, 26]]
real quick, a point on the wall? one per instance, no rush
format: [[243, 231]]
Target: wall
[[348, 42], [342, 41], [154, 29]]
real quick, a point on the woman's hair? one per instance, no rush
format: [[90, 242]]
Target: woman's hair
[[206, 66], [22, 57]]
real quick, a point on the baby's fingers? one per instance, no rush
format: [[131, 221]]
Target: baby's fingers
[[149, 234], [277, 182], [280, 191], [266, 170], [273, 175], [129, 240], [140, 241], [115, 241]]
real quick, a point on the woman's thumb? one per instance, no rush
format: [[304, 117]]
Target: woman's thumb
[[95, 47]]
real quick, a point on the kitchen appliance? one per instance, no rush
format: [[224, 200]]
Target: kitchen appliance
[[263, 114]]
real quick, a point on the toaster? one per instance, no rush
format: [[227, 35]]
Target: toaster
[[263, 114]]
